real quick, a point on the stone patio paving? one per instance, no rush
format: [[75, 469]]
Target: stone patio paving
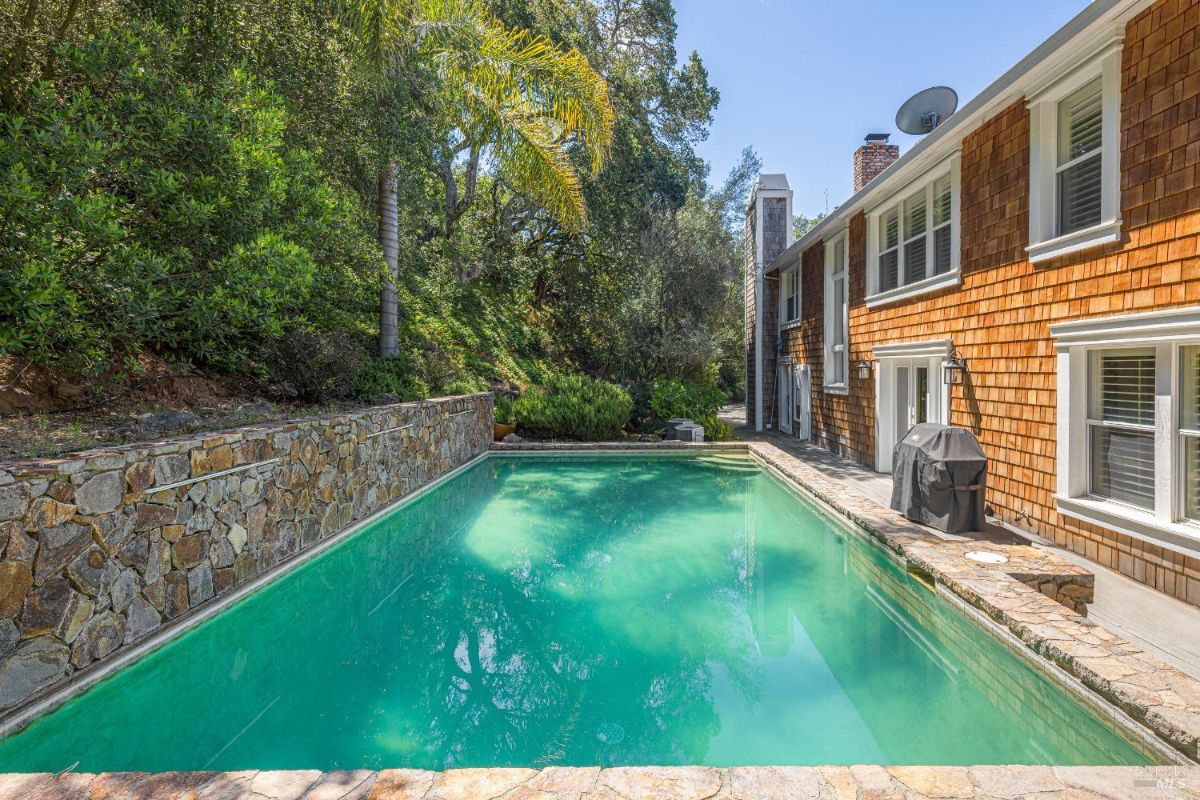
[[628, 783]]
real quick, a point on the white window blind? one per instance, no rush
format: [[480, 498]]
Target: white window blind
[[1189, 429], [1080, 158], [915, 222], [916, 237], [889, 250], [941, 226], [1121, 425]]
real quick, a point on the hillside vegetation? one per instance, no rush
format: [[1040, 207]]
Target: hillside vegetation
[[206, 185]]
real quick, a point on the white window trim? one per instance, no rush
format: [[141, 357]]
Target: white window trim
[[1167, 331], [1044, 241], [842, 387], [935, 351], [791, 273], [932, 283]]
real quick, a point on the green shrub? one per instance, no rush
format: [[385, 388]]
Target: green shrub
[[504, 410], [674, 398], [380, 376], [715, 430], [573, 407], [146, 208]]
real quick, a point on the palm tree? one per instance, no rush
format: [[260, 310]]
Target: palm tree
[[517, 97]]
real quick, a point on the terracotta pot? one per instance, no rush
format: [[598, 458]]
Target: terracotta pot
[[500, 431]]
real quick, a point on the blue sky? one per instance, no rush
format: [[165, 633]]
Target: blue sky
[[803, 82]]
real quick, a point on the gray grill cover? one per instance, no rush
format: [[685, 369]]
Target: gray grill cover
[[938, 477]]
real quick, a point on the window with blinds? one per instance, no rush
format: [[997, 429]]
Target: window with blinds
[[836, 310], [915, 224], [1080, 159], [889, 250], [1189, 429], [1121, 425], [915, 237], [789, 296], [942, 261]]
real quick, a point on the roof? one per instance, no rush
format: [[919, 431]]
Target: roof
[[1069, 45]]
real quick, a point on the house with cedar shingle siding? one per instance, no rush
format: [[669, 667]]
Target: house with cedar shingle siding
[[1029, 270]]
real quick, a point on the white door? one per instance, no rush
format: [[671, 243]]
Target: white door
[[802, 400], [908, 394], [785, 399]]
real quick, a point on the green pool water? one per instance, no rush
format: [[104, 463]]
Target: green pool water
[[606, 610]]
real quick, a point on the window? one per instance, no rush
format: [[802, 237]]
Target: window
[[1121, 425], [1129, 425], [837, 316], [1074, 160], [913, 240], [1079, 159], [789, 296], [1189, 429]]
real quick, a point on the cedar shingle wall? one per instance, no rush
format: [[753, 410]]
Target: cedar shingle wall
[[999, 317]]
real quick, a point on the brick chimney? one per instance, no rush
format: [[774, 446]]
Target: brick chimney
[[873, 158]]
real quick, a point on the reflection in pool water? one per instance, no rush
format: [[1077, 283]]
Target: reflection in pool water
[[608, 610]]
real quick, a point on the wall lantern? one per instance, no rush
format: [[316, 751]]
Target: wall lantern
[[954, 369], [862, 370]]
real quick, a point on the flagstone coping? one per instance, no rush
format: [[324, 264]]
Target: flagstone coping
[[626, 783]]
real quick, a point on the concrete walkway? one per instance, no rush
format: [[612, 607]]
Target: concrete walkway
[[1160, 625]]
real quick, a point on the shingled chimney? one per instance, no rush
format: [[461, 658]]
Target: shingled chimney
[[873, 158]]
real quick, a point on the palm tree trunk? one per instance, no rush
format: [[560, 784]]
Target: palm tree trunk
[[389, 345]]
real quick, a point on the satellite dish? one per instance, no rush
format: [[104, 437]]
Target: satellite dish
[[926, 109]]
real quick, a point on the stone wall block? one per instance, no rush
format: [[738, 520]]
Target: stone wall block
[[188, 551], [14, 500], [33, 666], [151, 515], [176, 586], [46, 512], [140, 476], [54, 607], [100, 494], [112, 531], [200, 584], [92, 573], [140, 619], [16, 579], [102, 635], [171, 468], [58, 546]]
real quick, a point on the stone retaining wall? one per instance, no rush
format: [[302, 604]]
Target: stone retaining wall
[[101, 548]]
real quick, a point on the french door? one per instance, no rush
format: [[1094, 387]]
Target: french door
[[910, 391]]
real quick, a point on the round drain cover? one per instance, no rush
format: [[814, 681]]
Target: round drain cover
[[984, 557]]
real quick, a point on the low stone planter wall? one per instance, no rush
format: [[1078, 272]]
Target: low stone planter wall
[[102, 548]]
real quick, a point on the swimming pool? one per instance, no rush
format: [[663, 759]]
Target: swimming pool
[[604, 610]]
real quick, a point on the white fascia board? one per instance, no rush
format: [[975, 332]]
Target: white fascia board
[[929, 348], [1173, 324]]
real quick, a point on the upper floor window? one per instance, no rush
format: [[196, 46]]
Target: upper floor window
[[837, 316], [913, 240], [1074, 160], [789, 296]]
